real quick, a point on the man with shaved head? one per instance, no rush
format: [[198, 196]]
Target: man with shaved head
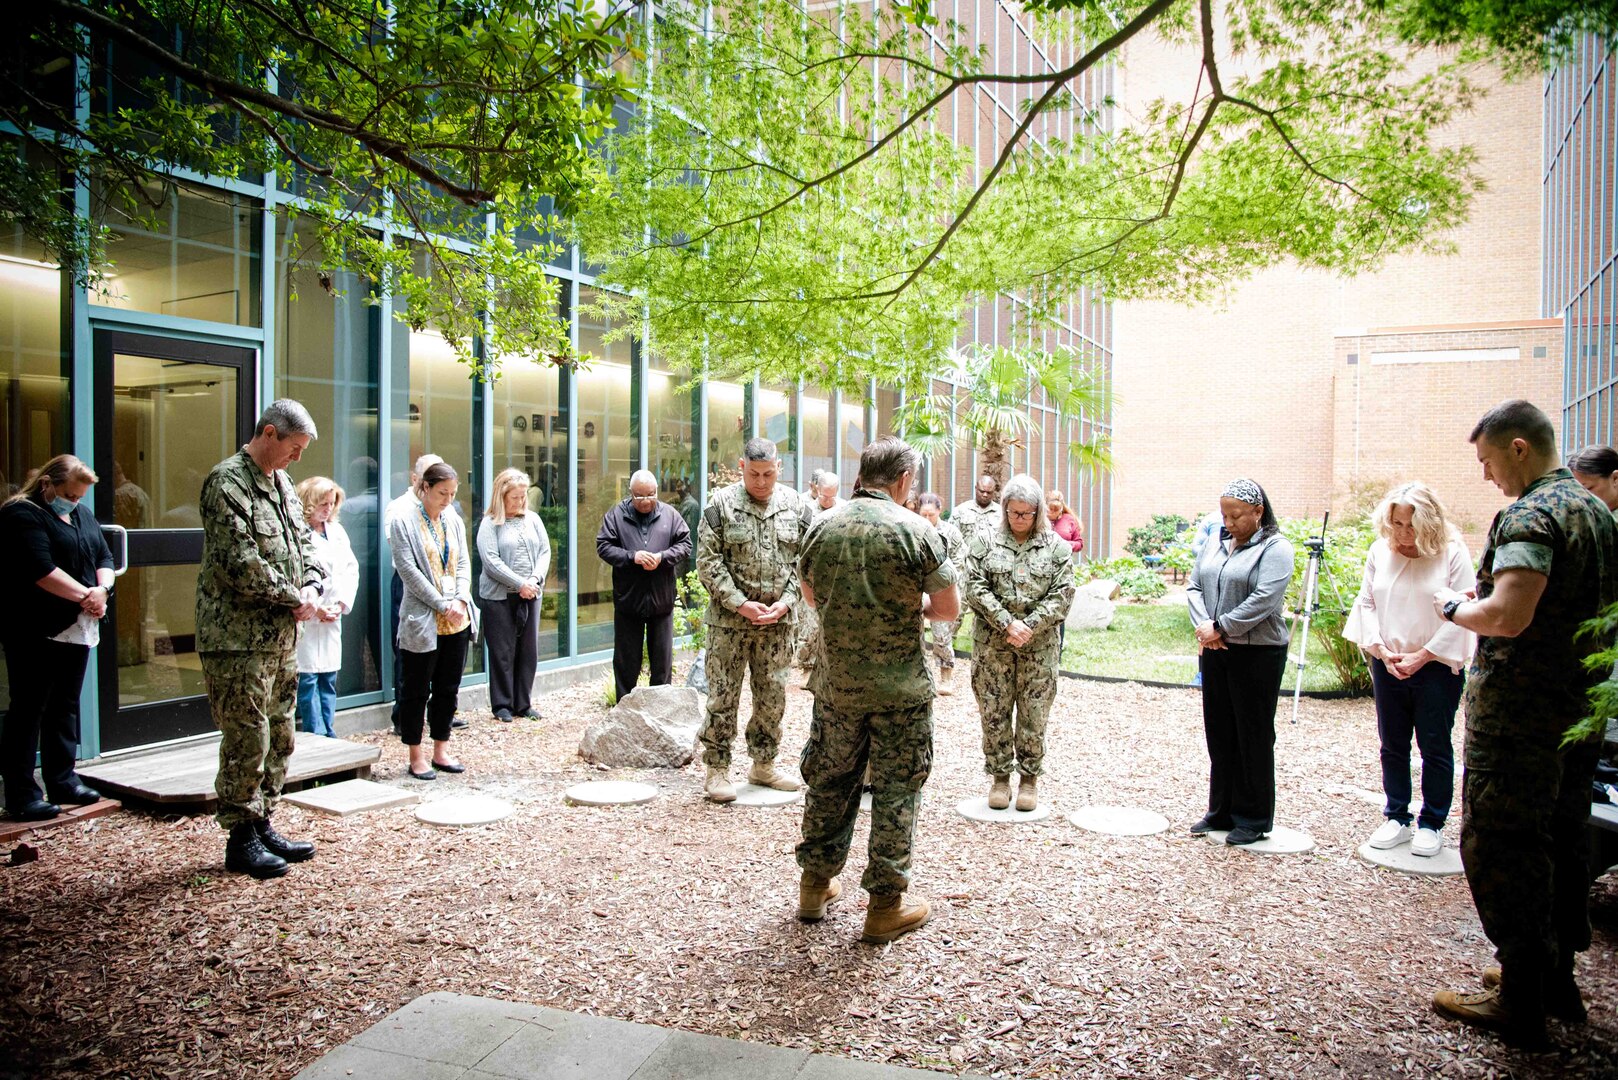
[[644, 541]]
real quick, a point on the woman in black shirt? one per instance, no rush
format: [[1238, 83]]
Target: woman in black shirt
[[57, 569]]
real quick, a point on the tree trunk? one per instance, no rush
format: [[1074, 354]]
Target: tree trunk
[[996, 459]]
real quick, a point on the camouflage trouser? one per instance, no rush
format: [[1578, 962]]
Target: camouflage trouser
[[807, 640], [765, 652], [899, 748], [1525, 846], [940, 641], [251, 695], [1006, 681]]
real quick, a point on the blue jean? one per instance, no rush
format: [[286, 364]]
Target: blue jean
[[317, 701], [1423, 704]]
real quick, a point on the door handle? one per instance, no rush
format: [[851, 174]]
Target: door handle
[[120, 550]]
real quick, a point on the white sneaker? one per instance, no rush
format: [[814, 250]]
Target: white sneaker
[[1427, 843], [1390, 835]]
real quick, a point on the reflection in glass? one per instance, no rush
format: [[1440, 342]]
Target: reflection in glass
[[727, 424], [817, 449], [852, 428], [530, 433], [777, 411], [606, 457], [672, 448]]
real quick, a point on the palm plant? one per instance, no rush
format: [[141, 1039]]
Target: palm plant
[[999, 382]]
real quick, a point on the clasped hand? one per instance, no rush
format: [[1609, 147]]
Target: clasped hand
[[648, 560], [763, 614], [308, 604], [1018, 634], [94, 603], [1209, 637]]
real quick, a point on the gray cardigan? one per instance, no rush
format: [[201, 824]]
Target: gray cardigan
[[1243, 591], [497, 548], [418, 611]]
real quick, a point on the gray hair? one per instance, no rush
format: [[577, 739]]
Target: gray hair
[[642, 476], [287, 417], [423, 463], [883, 462], [760, 449], [830, 480], [1026, 490]]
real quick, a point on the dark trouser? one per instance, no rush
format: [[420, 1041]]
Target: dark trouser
[[46, 677], [1424, 704], [1239, 688], [1524, 843], [432, 684], [397, 592], [511, 630], [628, 632]]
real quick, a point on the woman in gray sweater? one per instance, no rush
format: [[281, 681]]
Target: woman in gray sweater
[[516, 557], [1237, 597]]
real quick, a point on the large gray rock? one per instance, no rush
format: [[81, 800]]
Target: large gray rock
[[1107, 590], [1089, 611], [655, 727]]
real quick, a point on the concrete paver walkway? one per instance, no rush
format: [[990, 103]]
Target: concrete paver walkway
[[442, 1036]]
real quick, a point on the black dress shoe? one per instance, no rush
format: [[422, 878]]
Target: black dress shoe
[[77, 795], [531, 714], [428, 775], [245, 854], [38, 810], [456, 722], [451, 768], [1206, 825], [1241, 836], [503, 715], [276, 844]]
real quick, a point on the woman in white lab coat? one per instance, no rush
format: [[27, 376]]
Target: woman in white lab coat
[[320, 640]]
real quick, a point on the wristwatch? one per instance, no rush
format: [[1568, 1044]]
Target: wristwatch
[[1449, 608]]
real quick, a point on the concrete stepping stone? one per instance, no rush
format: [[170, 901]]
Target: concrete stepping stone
[[464, 811], [352, 797], [1119, 820], [978, 810], [610, 793], [754, 795], [1447, 863], [1281, 841]]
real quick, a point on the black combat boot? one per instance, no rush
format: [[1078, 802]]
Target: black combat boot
[[245, 854], [276, 844]]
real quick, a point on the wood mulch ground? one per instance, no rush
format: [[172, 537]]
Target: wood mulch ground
[[127, 951]]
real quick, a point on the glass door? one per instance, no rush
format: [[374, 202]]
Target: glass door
[[167, 411]]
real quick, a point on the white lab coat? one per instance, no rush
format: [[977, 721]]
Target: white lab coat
[[320, 644]]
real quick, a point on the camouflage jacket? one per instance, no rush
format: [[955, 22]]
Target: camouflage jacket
[[1525, 691], [256, 557], [748, 551], [954, 544], [868, 565], [968, 517], [1005, 580]]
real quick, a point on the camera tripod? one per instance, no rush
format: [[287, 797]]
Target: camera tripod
[[1309, 603]]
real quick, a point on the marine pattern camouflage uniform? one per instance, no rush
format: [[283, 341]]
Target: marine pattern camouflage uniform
[[868, 566], [256, 557], [941, 639], [1525, 799], [1031, 581], [807, 641], [748, 551]]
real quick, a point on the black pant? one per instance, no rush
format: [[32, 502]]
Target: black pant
[[432, 686], [1239, 688], [46, 677], [628, 632], [1424, 704], [511, 630], [397, 593]]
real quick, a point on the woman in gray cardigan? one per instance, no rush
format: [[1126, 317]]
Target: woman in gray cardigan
[[437, 620], [1237, 597], [516, 556]]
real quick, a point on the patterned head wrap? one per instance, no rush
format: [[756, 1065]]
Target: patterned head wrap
[[1245, 490]]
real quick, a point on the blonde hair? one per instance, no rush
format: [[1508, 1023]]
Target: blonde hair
[[1433, 530], [59, 470], [312, 491], [504, 482]]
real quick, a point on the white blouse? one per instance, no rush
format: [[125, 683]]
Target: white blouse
[[320, 644], [1395, 606]]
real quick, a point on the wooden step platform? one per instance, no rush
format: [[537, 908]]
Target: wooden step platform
[[184, 775], [13, 831]]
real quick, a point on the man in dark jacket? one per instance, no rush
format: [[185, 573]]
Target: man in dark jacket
[[644, 541]]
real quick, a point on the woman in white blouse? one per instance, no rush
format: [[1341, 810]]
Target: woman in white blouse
[[1416, 657], [320, 640]]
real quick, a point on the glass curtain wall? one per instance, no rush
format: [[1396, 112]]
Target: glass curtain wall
[[673, 454], [607, 453], [851, 421], [728, 424], [815, 405], [777, 422]]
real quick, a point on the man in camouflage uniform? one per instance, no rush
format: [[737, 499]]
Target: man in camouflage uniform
[[260, 577], [982, 508], [1550, 564], [747, 558], [874, 571], [825, 486], [941, 642], [1019, 585]]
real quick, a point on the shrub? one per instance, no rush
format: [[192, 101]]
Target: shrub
[[1135, 579], [690, 617], [1152, 538], [1343, 567]]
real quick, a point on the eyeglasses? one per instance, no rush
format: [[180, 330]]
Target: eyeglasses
[[1021, 515], [643, 498]]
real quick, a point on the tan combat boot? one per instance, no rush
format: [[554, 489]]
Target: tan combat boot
[[889, 917], [1027, 793], [719, 788], [1000, 792], [763, 774], [946, 676], [814, 893]]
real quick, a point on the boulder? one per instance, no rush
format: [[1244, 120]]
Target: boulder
[[655, 727], [1106, 590], [1089, 611]]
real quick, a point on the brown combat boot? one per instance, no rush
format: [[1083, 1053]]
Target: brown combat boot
[[1486, 1010], [1562, 998], [889, 916], [814, 893], [1027, 793], [1000, 792], [718, 787], [763, 774], [946, 676]]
